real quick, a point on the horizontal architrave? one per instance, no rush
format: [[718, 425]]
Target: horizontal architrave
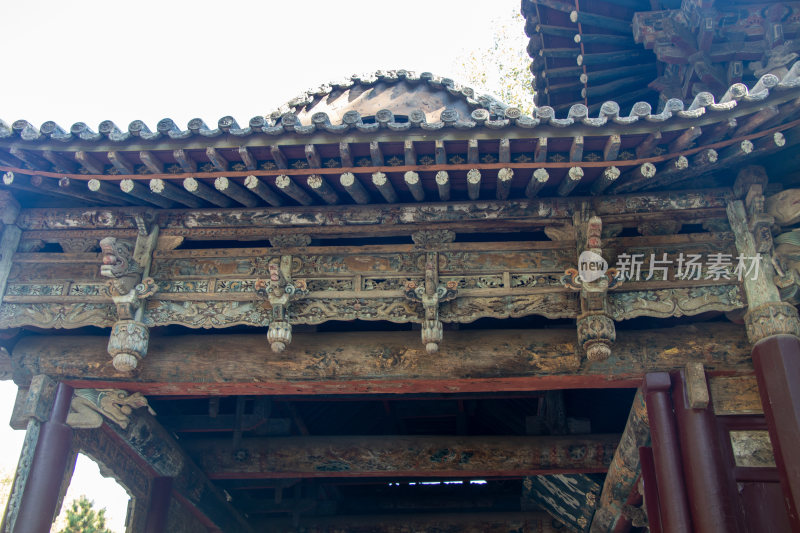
[[403, 456], [384, 362]]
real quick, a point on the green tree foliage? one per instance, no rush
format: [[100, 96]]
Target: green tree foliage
[[501, 69], [83, 518]]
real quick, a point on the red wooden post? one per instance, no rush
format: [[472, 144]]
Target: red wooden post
[[651, 502], [675, 517], [709, 489], [158, 509], [777, 363], [40, 497]]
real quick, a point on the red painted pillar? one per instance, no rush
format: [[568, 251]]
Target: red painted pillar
[[777, 363], [40, 497], [675, 517], [158, 510], [708, 487]]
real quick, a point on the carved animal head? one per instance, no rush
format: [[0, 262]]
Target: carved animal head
[[116, 257]]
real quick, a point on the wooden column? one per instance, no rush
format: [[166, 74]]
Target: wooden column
[[158, 508], [53, 449], [9, 236], [710, 491], [667, 454], [777, 363]]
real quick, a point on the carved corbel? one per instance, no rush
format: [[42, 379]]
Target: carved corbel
[[430, 293], [593, 278], [750, 183], [89, 407], [127, 264], [280, 290]]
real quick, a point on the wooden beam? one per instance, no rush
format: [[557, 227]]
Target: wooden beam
[[409, 153], [443, 184], [611, 149], [504, 177], [384, 186], [235, 192], [376, 154], [404, 456], [138, 190], [439, 152], [576, 150], [538, 180], [570, 181], [354, 188], [89, 162], [277, 157], [473, 155], [468, 361], [540, 155], [474, 184], [322, 189], [287, 186], [107, 189], [154, 445], [624, 470], [201, 190], [452, 523], [262, 190], [60, 162], [607, 178], [172, 192], [217, 159], [344, 155], [312, 156], [504, 152], [186, 163], [414, 185], [152, 163], [120, 163], [249, 161]]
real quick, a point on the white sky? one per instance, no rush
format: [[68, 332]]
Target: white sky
[[93, 60]]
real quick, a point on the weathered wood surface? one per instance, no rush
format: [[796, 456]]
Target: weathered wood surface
[[378, 215], [735, 395], [403, 456], [403, 523], [149, 442], [385, 362], [624, 470]]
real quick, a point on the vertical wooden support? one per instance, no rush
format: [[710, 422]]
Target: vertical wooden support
[[650, 490], [667, 454], [710, 491], [777, 363], [158, 507], [37, 507]]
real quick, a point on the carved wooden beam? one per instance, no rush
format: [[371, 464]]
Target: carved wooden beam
[[404, 456], [624, 470], [148, 440], [473, 361]]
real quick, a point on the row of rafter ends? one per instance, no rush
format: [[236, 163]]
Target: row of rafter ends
[[289, 122], [254, 191]]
